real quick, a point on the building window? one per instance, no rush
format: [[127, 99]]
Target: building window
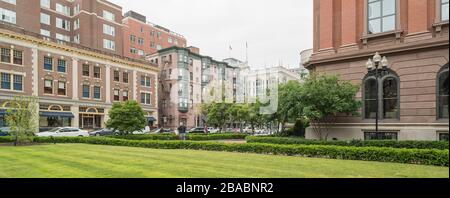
[[97, 72], [132, 38], [63, 24], [45, 4], [158, 47], [6, 81], [6, 55], [388, 92], [97, 92], [76, 24], [145, 81], [116, 95], [125, 96], [62, 88], [86, 91], [48, 63], [45, 33], [48, 86], [443, 137], [109, 30], [125, 77], [45, 19], [146, 98], [133, 50], [381, 16], [61, 37], [390, 98], [7, 16], [63, 9], [18, 57], [108, 15], [444, 11], [443, 93], [62, 66], [18, 83], [116, 76], [86, 70], [140, 41], [380, 136], [108, 44], [152, 44]]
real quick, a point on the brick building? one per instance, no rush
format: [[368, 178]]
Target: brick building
[[77, 76], [142, 38], [414, 37], [187, 80]]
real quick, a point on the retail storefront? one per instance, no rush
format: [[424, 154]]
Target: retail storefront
[[91, 118]]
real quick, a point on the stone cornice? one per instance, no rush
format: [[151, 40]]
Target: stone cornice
[[364, 53]]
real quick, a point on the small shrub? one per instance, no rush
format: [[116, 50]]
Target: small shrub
[[193, 137]]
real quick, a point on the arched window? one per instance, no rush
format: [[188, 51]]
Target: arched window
[[388, 94], [370, 98], [443, 93], [390, 98]]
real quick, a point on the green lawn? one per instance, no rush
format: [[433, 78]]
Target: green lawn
[[86, 161]]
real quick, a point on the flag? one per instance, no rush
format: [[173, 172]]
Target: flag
[[231, 48]]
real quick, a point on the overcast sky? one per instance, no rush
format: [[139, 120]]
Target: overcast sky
[[276, 30]]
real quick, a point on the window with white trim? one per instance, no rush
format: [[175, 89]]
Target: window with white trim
[[45, 33], [62, 88], [45, 3], [76, 24], [381, 16], [7, 16], [45, 19], [62, 37], [12, 82], [76, 9], [146, 98], [108, 44], [11, 56], [10, 1], [63, 24], [444, 10], [62, 9], [109, 15], [48, 86], [109, 30]]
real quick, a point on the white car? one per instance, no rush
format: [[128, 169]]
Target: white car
[[213, 130], [64, 132]]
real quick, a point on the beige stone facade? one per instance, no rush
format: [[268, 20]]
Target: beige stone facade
[[75, 86]]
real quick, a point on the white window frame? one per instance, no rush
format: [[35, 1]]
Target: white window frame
[[45, 19], [45, 4], [63, 24], [108, 15], [108, 44], [8, 16], [109, 30]]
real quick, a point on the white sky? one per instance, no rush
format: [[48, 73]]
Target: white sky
[[276, 30]]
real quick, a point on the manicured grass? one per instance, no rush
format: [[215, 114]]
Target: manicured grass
[[96, 161]]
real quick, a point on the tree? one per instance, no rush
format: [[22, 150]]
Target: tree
[[126, 117], [324, 98], [217, 114], [23, 118], [238, 114], [290, 103]]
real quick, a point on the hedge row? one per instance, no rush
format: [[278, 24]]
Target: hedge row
[[6, 139], [355, 143], [411, 156], [193, 137]]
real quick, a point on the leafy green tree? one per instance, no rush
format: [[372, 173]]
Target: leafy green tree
[[238, 114], [126, 117], [290, 103], [23, 118], [324, 98], [255, 118]]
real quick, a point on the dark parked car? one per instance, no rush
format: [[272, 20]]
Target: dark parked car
[[197, 130], [4, 131], [104, 132], [161, 131]]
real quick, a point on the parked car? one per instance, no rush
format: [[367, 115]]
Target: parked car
[[213, 130], [104, 132], [4, 131], [197, 130], [162, 131], [64, 132]]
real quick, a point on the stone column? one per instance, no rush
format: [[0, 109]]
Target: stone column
[[35, 72], [108, 84], [135, 84], [75, 79], [76, 112]]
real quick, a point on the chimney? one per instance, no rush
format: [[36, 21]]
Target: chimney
[[194, 50]]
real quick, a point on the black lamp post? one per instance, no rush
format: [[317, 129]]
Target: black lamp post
[[373, 66]]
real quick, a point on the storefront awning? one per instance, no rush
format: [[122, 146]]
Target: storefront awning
[[151, 119], [56, 114]]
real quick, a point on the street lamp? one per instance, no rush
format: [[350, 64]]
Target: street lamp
[[373, 66]]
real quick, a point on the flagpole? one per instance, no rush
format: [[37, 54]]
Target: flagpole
[[246, 52]]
